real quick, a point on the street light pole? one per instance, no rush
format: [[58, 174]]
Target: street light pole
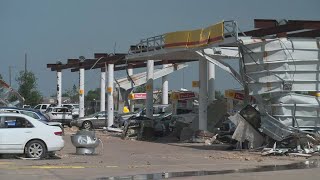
[[10, 67]]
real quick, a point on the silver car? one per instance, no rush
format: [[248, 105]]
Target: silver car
[[96, 120]]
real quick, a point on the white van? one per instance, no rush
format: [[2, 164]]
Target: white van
[[74, 108]]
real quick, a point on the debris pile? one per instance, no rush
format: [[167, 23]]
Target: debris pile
[[8, 96], [281, 74], [138, 129], [250, 133]]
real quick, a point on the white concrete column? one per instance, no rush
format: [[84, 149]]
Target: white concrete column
[[131, 103], [149, 88], [59, 87], [212, 77], [81, 92], [203, 94], [165, 88], [103, 90], [110, 94]]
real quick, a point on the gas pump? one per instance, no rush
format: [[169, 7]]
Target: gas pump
[[235, 100], [133, 97], [182, 102]]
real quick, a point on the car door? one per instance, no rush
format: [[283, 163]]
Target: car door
[[44, 108], [101, 121], [2, 133], [14, 134], [55, 115], [66, 115]]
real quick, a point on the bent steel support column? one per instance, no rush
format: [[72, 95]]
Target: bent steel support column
[[212, 77], [59, 87], [103, 90], [203, 94], [81, 92], [110, 94], [165, 87], [149, 88], [131, 103]]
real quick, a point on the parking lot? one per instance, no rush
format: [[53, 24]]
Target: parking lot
[[129, 157]]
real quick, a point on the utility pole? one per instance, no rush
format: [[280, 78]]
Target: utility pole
[[10, 67], [25, 63]]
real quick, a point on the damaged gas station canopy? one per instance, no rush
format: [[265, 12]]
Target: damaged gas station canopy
[[8, 96], [281, 64], [277, 72]]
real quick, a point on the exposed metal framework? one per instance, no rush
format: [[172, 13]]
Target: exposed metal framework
[[155, 47], [101, 60], [186, 46], [285, 28]]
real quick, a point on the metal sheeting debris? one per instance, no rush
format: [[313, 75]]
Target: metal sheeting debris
[[8, 96], [245, 131], [277, 71], [281, 65]]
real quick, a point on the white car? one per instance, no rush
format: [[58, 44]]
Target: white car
[[21, 134], [43, 107], [59, 114]]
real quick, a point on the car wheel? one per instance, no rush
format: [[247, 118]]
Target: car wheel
[[87, 125], [35, 149]]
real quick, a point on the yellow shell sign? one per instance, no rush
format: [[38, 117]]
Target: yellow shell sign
[[109, 89], [195, 84], [195, 38]]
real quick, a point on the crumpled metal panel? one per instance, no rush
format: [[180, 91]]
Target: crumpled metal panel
[[6, 92], [281, 68], [282, 65], [85, 139], [305, 108], [274, 128]]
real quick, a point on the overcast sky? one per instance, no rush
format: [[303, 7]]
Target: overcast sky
[[52, 30]]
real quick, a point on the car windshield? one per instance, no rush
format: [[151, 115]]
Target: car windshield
[[76, 106]]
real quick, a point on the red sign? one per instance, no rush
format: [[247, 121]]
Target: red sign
[[140, 96], [186, 95], [239, 96]]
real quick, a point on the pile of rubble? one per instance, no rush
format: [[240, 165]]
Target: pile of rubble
[[252, 133], [282, 76]]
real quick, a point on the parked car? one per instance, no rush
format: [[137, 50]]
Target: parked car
[[96, 120], [32, 113], [59, 114], [26, 106], [21, 134], [74, 109], [43, 107]]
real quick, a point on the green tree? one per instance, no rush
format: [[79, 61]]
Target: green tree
[[140, 89], [219, 95], [93, 95], [28, 88], [73, 94], [1, 76]]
